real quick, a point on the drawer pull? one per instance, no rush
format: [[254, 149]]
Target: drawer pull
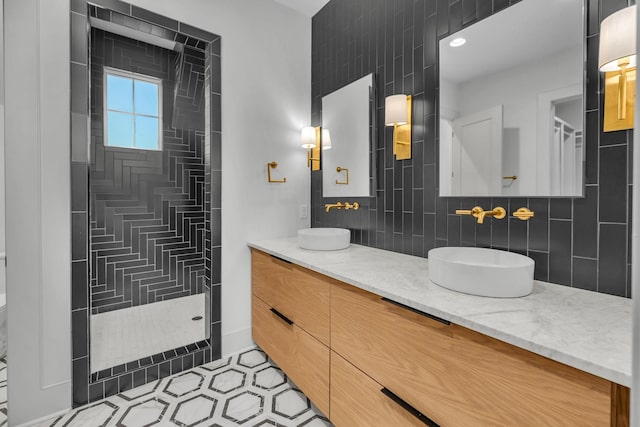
[[421, 313], [410, 409], [282, 316], [280, 259]]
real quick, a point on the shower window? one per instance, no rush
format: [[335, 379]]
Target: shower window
[[132, 110]]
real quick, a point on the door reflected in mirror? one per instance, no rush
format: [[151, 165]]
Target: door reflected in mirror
[[347, 115], [511, 103]]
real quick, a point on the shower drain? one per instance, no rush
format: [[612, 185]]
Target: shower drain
[[196, 318]]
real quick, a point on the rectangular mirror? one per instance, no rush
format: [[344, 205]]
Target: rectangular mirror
[[347, 116], [511, 103]]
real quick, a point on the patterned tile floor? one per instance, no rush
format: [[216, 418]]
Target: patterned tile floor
[[3, 393], [246, 389]]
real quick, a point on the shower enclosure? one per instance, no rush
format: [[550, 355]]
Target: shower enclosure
[[146, 197]]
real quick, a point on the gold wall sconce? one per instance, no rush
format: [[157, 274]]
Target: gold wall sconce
[[617, 58], [346, 171], [311, 139], [273, 165], [397, 113]]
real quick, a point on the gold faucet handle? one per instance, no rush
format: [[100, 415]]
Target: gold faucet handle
[[499, 212], [475, 211], [463, 212], [523, 214]]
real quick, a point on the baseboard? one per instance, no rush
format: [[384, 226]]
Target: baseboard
[[242, 350], [236, 341], [40, 421]]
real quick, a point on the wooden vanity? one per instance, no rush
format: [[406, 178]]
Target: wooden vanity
[[365, 360]]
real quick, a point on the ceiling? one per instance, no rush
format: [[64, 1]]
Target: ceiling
[[306, 7]]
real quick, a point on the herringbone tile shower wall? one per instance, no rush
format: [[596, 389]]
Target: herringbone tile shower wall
[[147, 207], [189, 99]]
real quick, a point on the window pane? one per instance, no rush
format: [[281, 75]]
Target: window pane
[[147, 132], [119, 93], [146, 98], [119, 129]]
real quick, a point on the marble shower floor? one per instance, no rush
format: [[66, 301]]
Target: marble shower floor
[[246, 389], [130, 334]]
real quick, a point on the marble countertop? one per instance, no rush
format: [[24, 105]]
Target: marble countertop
[[583, 329]]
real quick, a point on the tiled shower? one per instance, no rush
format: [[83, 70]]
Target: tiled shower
[[147, 207], [146, 224]]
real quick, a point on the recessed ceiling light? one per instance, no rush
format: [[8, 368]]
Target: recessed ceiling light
[[457, 42]]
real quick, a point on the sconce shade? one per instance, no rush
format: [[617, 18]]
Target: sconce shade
[[395, 110], [308, 138], [618, 39], [326, 139]]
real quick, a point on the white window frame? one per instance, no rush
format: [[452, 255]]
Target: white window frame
[[135, 76]]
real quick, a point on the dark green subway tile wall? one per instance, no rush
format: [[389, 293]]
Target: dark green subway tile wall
[[582, 242]]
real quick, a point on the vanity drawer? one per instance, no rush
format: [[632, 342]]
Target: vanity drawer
[[300, 294], [303, 358], [458, 377], [357, 400]]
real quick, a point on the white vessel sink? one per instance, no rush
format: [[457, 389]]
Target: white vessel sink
[[481, 271], [324, 239]]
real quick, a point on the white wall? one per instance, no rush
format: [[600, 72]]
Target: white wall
[[266, 90], [38, 206], [2, 196]]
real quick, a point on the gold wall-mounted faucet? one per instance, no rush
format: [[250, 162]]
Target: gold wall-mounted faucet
[[346, 206], [498, 213], [330, 206], [480, 214]]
